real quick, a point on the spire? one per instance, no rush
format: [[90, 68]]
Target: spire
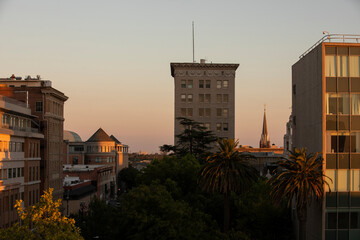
[[264, 140]]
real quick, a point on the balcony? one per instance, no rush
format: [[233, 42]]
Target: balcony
[[22, 129]]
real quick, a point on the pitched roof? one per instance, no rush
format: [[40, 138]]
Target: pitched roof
[[100, 136], [115, 139]]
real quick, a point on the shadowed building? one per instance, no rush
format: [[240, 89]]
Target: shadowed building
[[326, 119], [264, 139], [205, 93]]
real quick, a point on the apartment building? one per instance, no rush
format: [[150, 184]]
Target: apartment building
[[326, 119], [205, 93], [19, 159], [47, 103]]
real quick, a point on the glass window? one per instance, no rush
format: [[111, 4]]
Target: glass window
[[183, 84], [201, 83], [201, 98], [225, 127], [10, 173], [207, 126], [331, 142], [218, 127], [331, 103], [330, 66], [355, 104], [342, 66], [207, 98], [332, 183], [208, 83], [183, 112], [355, 180], [343, 222], [190, 84], [183, 97], [344, 103], [344, 142], [225, 112], [38, 106], [218, 84], [343, 180], [355, 142], [218, 98], [226, 98], [201, 112], [190, 98], [225, 84], [190, 112], [354, 221], [207, 112], [354, 66], [218, 112], [331, 222]]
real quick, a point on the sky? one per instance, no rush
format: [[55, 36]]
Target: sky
[[112, 58]]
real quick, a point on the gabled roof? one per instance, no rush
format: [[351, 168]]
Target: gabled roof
[[115, 139], [100, 136]]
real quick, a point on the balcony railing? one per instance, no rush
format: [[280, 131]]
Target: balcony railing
[[337, 38], [23, 129]]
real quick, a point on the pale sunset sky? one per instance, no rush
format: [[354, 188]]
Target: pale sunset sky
[[112, 58]]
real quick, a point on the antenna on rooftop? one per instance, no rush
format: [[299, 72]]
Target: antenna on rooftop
[[193, 41]]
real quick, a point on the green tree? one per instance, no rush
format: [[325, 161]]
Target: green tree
[[42, 221], [150, 212], [227, 171], [195, 139], [302, 179], [127, 178]]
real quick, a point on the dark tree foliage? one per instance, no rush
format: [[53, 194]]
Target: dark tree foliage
[[195, 139], [127, 178], [167, 149]]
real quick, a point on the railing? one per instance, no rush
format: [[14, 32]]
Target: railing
[[23, 129], [345, 38]]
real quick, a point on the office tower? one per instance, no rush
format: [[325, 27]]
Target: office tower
[[47, 104], [205, 93], [326, 119], [20, 159]]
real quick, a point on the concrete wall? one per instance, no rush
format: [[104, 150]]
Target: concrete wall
[[307, 109]]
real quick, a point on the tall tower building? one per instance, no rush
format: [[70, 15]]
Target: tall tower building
[[47, 104], [205, 93], [264, 139], [326, 119]]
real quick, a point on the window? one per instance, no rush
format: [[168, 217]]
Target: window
[[10, 173], [331, 103], [201, 112], [225, 98], [183, 112], [190, 83], [190, 98], [330, 66], [190, 112], [225, 127], [344, 142], [331, 142], [218, 112], [207, 98], [355, 103], [208, 82], [201, 98], [183, 97], [207, 112], [218, 98], [201, 83], [342, 66], [344, 103], [207, 126], [354, 64], [183, 84], [218, 127], [225, 84], [39, 106], [225, 112], [342, 180], [14, 172], [218, 84], [18, 172]]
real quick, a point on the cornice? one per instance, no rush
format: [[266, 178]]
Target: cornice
[[203, 66]]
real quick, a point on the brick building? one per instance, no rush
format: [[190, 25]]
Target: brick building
[[19, 158], [47, 103]]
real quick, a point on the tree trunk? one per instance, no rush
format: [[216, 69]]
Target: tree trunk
[[226, 212], [302, 215]]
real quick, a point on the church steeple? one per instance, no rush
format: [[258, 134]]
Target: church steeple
[[264, 140]]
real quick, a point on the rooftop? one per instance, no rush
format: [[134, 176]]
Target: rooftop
[[71, 136], [100, 136], [335, 38]]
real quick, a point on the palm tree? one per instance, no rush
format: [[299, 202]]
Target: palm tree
[[300, 178], [227, 171]]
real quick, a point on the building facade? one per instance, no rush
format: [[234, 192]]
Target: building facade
[[205, 93], [326, 119], [47, 103], [19, 159]]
